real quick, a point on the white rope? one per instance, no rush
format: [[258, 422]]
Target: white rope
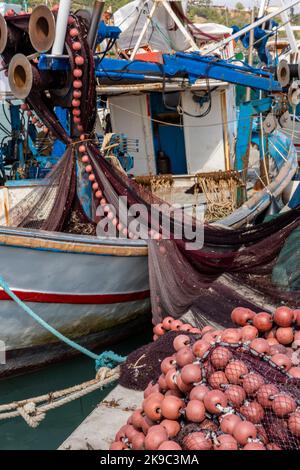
[[33, 414], [289, 131], [172, 124]]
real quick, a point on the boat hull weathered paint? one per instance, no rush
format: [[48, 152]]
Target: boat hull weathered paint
[[24, 360], [83, 286]]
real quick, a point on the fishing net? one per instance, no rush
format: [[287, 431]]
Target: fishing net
[[286, 272], [219, 389], [143, 365], [268, 397], [54, 205], [233, 267]]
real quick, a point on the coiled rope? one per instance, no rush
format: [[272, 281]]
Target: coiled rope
[[33, 410]]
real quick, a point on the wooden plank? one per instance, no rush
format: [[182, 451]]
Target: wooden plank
[[72, 247]]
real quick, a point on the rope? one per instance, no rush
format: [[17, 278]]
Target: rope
[[172, 124], [107, 357], [145, 116], [44, 324], [33, 415]]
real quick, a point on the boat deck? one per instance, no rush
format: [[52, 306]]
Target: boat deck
[[98, 430]]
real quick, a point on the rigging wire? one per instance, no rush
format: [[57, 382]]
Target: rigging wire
[[144, 116], [4, 112], [142, 11]]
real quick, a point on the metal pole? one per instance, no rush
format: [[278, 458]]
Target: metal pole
[[142, 33], [289, 31], [61, 27], [262, 8], [225, 129], [249, 27], [180, 25], [250, 54], [96, 18]]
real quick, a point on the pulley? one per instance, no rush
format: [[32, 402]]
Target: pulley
[[285, 120], [287, 72], [270, 123], [294, 93]]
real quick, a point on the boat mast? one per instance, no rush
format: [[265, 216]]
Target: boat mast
[[248, 28]]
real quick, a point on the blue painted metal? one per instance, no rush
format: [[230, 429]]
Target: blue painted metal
[[107, 32], [261, 36], [63, 116], [190, 65], [295, 199], [16, 129], [12, 150], [279, 142], [48, 62], [244, 132]]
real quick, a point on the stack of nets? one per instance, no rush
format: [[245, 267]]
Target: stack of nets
[[231, 389], [143, 365]]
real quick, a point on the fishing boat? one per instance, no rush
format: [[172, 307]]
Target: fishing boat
[[96, 289], [169, 120]]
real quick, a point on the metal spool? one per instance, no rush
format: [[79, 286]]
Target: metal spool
[[283, 73], [3, 34], [41, 28], [285, 119], [270, 123], [286, 72], [20, 76], [294, 93]]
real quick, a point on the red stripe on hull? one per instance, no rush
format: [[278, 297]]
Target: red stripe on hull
[[100, 299]]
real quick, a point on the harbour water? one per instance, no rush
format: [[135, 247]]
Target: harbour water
[[15, 434]]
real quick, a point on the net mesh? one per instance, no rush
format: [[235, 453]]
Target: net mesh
[[224, 396], [143, 365], [266, 384], [234, 267]]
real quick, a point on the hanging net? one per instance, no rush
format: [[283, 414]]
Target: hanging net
[[233, 267]]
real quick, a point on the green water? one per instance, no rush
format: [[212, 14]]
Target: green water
[[15, 434]]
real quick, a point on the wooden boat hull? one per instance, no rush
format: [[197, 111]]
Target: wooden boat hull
[[83, 286]]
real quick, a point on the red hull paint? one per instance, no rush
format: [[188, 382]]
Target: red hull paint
[[76, 298]]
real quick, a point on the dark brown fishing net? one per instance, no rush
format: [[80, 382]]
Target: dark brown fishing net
[[233, 268], [143, 365], [54, 204]]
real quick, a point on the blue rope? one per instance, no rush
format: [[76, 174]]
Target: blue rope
[[105, 359], [109, 359]]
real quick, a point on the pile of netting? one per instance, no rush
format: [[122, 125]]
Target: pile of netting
[[55, 204], [230, 389], [234, 267]]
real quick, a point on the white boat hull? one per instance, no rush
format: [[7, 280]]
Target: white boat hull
[[82, 286]]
